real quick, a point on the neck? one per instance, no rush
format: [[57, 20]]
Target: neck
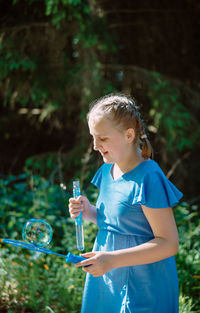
[[127, 165]]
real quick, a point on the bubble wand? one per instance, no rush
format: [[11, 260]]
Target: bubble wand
[[70, 258], [78, 219], [38, 240]]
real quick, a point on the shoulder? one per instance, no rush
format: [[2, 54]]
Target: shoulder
[[151, 166], [150, 170], [155, 190], [104, 168], [103, 171]]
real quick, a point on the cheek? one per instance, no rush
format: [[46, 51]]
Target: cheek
[[118, 145], [116, 150]]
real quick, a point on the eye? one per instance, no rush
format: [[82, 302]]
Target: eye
[[103, 139]]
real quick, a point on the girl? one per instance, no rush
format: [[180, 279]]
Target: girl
[[132, 266]]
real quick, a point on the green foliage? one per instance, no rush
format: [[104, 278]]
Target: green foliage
[[185, 304], [51, 59], [34, 282], [60, 9], [13, 61], [26, 197], [174, 122], [43, 72], [188, 221], [62, 167], [91, 26]]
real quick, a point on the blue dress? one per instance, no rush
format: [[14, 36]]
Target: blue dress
[[149, 288]]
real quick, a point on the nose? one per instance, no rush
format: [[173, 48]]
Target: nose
[[96, 144]]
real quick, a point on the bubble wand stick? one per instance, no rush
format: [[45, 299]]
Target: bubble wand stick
[[68, 258], [78, 219], [39, 234]]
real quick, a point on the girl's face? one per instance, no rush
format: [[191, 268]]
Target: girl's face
[[114, 145]]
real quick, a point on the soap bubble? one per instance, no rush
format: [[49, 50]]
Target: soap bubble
[[37, 232]]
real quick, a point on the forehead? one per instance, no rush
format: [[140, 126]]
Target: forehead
[[101, 127]]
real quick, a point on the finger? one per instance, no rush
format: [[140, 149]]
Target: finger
[[80, 198], [88, 269], [75, 205], [75, 210], [88, 254], [74, 215], [85, 262], [73, 200], [92, 272]]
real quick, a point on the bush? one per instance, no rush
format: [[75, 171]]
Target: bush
[[35, 282], [188, 222]]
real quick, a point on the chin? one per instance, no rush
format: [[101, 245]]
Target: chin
[[107, 161]]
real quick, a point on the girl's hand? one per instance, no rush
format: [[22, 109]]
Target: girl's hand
[[81, 204], [100, 262]]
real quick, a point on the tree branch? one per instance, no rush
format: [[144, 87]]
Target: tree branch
[[176, 164]]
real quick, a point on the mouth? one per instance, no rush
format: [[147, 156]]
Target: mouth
[[104, 153]]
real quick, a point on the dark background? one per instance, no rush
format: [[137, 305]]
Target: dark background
[[56, 57]]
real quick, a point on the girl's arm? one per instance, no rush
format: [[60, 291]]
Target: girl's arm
[[164, 245], [82, 204]]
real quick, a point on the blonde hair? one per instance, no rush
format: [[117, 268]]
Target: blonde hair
[[122, 110]]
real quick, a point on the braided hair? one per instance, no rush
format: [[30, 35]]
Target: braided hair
[[123, 111]]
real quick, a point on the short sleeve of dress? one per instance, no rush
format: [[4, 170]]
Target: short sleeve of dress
[[96, 180], [156, 191]]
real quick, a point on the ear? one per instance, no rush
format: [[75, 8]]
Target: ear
[[130, 135]]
